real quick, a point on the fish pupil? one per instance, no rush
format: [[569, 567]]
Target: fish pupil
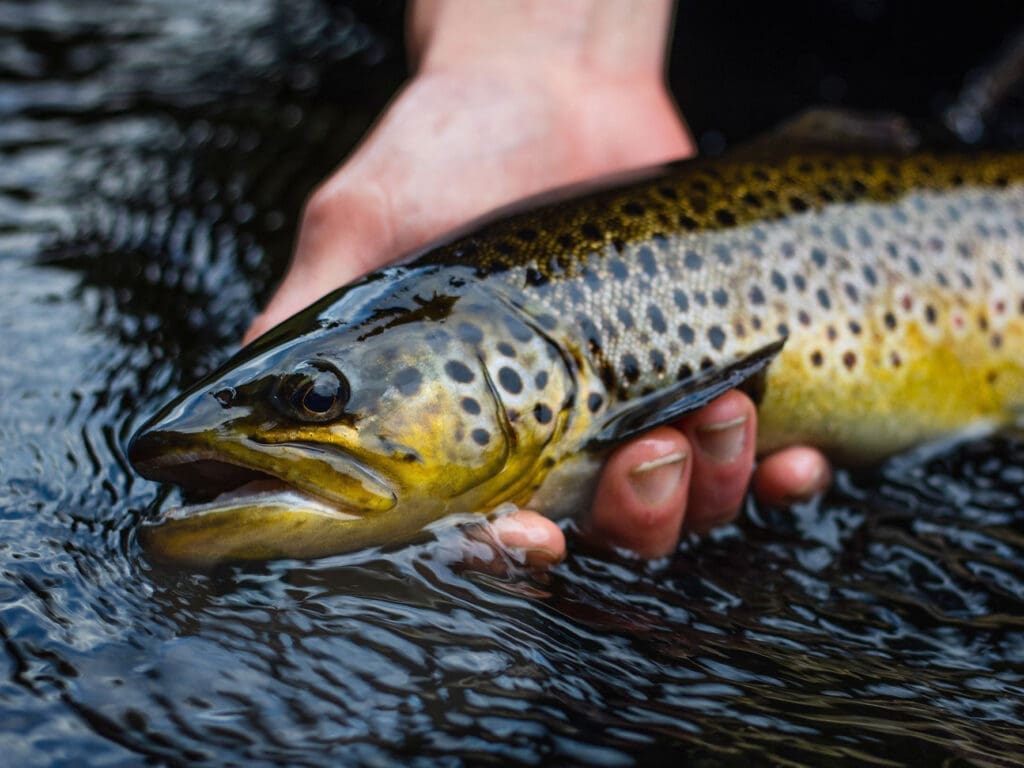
[[319, 397], [317, 392]]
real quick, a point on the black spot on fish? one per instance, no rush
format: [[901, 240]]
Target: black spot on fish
[[716, 336], [458, 371], [541, 380], [778, 281], [851, 292], [470, 333], [756, 295], [783, 329], [890, 320], [526, 235], [542, 413], [618, 269], [680, 299], [817, 359], [647, 262], [480, 437], [506, 349], [505, 249], [657, 358], [684, 372], [798, 204], [849, 360], [706, 364], [408, 381], [930, 315], [470, 406], [656, 318], [720, 297], [688, 223], [818, 257], [594, 402], [864, 237], [547, 322], [838, 236], [692, 260], [625, 317], [535, 277], [799, 282], [633, 209], [438, 340], [630, 367], [803, 318], [870, 275], [725, 217], [752, 200], [722, 254], [823, 299], [590, 231], [894, 358], [510, 380], [668, 193], [832, 333], [607, 375], [855, 328], [591, 278], [520, 331]]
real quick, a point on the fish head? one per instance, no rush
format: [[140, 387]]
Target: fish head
[[342, 436]]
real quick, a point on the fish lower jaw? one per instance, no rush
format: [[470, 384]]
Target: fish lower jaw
[[261, 493]]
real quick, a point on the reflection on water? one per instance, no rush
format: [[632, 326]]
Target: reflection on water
[[154, 158]]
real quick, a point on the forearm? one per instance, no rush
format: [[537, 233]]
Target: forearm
[[611, 39]]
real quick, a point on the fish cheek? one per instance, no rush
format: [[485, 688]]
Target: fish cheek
[[440, 440]]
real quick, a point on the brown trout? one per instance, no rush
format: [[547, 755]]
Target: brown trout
[[869, 300]]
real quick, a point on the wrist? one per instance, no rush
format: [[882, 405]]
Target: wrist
[[570, 40]]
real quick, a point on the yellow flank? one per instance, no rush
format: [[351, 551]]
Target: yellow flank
[[893, 389]]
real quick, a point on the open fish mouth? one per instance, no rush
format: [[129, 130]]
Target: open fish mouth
[[247, 514], [243, 508]]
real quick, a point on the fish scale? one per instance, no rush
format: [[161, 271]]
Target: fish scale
[[869, 301]]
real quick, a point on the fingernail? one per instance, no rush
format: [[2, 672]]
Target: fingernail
[[655, 481], [725, 441]]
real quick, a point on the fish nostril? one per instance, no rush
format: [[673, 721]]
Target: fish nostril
[[224, 396]]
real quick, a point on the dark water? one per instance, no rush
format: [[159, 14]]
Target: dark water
[[153, 158]]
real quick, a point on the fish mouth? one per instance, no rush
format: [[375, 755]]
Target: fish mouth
[[247, 507], [328, 479]]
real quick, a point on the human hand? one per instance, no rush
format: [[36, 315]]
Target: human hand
[[476, 129]]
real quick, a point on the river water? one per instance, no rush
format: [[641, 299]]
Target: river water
[[153, 160]]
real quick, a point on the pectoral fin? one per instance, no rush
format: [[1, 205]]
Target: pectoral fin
[[645, 413]]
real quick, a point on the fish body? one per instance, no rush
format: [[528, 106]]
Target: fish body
[[869, 301]]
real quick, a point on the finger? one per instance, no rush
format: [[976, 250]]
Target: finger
[[791, 475], [538, 539], [722, 435], [641, 497]]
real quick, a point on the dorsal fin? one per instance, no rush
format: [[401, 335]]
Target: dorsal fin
[[836, 129], [637, 416]]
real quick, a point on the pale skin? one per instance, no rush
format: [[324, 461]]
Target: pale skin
[[509, 98]]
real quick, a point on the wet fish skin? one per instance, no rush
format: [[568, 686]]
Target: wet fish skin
[[875, 300]]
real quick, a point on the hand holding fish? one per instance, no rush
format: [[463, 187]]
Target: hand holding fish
[[547, 97]]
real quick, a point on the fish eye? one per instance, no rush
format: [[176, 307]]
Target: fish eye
[[314, 391]]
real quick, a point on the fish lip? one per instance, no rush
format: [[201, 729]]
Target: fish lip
[[188, 469]]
